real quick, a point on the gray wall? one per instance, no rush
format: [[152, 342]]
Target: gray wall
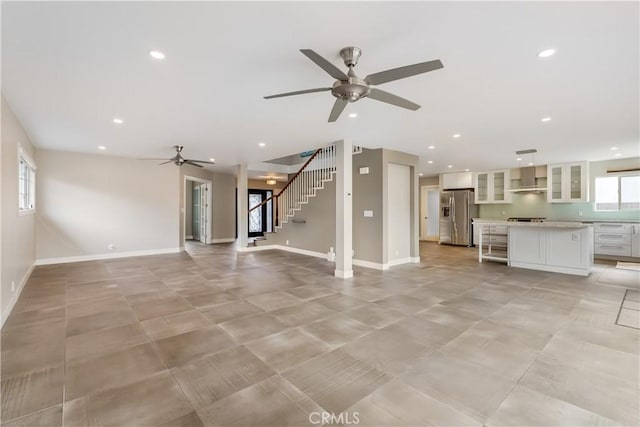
[[88, 201], [367, 195], [18, 251]]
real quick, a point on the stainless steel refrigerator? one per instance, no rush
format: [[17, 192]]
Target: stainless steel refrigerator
[[457, 208]]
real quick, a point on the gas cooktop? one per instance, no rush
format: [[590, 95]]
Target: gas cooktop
[[524, 219]]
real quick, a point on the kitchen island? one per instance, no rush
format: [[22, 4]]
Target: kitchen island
[[556, 246]]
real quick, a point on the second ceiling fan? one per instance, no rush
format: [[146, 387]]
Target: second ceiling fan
[[350, 88]]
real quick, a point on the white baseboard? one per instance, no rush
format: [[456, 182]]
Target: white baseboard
[[369, 264], [283, 248], [14, 298], [188, 237], [343, 274], [400, 261], [415, 259], [97, 257], [224, 240]]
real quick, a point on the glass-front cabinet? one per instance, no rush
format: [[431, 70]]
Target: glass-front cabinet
[[568, 183], [493, 186]]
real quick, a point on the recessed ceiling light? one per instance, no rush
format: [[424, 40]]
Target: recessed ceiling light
[[212, 160], [261, 144], [102, 147], [546, 53], [118, 121], [450, 166], [430, 161], [420, 174], [545, 119], [156, 54], [456, 135], [353, 115], [431, 147], [614, 148], [519, 159], [617, 154]]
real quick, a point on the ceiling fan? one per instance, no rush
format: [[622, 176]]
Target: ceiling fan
[[350, 88], [179, 160]]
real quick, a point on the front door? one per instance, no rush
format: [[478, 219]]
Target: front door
[[258, 217]]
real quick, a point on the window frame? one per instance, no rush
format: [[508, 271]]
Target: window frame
[[619, 177], [24, 157]]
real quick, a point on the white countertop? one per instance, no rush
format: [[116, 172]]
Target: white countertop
[[544, 224]]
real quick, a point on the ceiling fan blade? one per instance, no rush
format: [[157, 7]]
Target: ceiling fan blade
[[190, 162], [164, 163], [403, 72], [337, 109], [153, 159], [299, 92], [200, 161], [324, 64], [389, 98]]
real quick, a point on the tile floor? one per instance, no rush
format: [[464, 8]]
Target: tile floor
[[217, 338]]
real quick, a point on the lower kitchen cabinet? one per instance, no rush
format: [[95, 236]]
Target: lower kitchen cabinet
[[617, 240]]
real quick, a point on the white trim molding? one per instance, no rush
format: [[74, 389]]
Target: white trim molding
[[400, 261], [369, 264], [97, 257], [14, 298]]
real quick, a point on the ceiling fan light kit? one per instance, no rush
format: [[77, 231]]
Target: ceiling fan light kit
[[350, 88], [178, 160]]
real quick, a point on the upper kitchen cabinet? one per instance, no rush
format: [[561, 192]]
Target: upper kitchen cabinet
[[493, 186], [568, 183]]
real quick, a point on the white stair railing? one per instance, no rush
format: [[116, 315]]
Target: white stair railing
[[319, 169]]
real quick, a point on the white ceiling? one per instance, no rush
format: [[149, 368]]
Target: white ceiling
[[69, 68]]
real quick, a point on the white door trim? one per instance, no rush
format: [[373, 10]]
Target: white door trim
[[209, 188]]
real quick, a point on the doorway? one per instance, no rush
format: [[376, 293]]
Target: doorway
[[429, 212], [196, 210], [260, 220]]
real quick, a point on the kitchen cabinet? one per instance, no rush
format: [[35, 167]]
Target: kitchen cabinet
[[493, 186], [457, 180], [568, 183], [617, 240]]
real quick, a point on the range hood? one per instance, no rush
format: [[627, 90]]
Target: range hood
[[528, 181]]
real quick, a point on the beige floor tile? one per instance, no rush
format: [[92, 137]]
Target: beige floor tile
[[207, 380], [103, 341], [30, 318], [50, 417], [430, 334], [467, 387], [111, 370], [390, 353], [180, 349], [309, 292], [274, 300], [473, 305], [337, 330], [174, 324], [270, 403], [512, 334], [408, 407], [373, 315], [287, 349], [32, 391], [229, 311], [448, 316], [190, 420], [301, 314], [336, 380], [32, 357], [152, 401], [161, 307], [252, 327], [367, 293], [592, 391], [612, 336], [210, 298], [340, 302], [523, 408], [404, 304], [100, 320]]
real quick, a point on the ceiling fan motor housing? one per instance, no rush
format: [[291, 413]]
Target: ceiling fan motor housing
[[350, 55], [351, 90]]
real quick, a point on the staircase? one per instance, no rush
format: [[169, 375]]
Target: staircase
[[319, 169]]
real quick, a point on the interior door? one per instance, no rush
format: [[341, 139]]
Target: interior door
[[195, 211], [203, 212], [433, 210]]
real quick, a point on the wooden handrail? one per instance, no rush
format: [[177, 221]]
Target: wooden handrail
[[275, 196]]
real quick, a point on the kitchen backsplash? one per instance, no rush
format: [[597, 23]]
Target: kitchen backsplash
[[535, 205]]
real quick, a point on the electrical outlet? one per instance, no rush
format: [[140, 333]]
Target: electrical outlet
[[580, 213], [286, 242], [13, 286], [111, 246]]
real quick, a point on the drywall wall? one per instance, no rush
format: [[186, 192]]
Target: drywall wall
[[18, 250], [86, 202], [535, 205], [429, 180], [399, 213], [367, 196]]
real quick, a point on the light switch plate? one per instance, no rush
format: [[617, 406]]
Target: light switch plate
[[368, 214], [364, 171]]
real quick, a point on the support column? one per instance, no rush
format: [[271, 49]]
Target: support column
[[344, 209], [243, 207]]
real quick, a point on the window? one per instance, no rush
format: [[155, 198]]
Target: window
[[26, 186], [617, 193]]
